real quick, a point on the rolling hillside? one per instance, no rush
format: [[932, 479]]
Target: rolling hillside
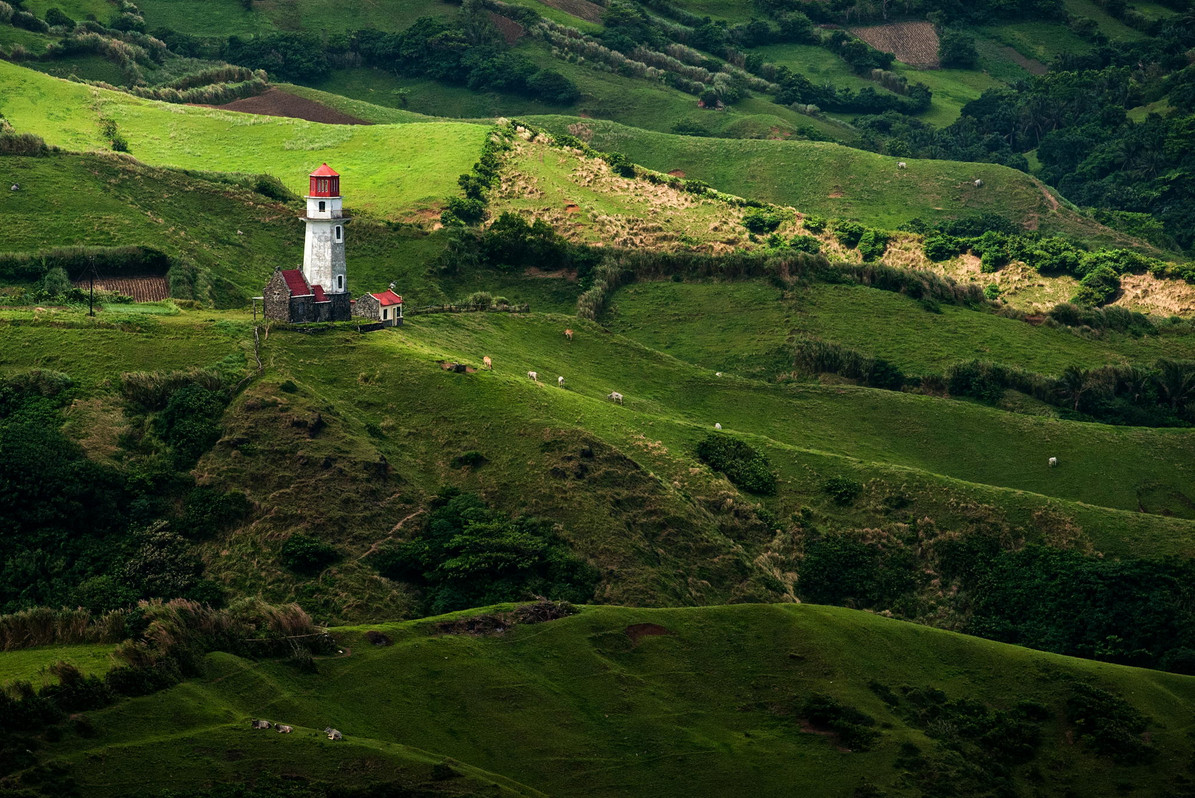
[[651, 702]]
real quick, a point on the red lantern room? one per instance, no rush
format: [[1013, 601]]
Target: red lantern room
[[325, 182]]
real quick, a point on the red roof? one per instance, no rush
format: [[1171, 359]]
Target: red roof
[[388, 298], [295, 282], [325, 171], [320, 296]]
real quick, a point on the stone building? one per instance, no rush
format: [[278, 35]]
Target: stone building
[[385, 307]]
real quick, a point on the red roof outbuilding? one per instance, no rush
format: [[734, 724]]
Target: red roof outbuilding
[[295, 282], [388, 298]]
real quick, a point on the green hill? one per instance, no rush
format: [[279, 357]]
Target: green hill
[[656, 702], [397, 168]]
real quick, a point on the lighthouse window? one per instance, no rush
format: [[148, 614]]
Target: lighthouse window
[[322, 205], [340, 282], [338, 228]]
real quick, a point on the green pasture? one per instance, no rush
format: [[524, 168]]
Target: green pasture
[[708, 704], [392, 169], [33, 664]]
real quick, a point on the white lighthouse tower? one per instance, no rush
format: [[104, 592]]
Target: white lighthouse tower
[[323, 250]]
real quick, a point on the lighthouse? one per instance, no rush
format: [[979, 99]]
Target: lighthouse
[[323, 250], [319, 291]]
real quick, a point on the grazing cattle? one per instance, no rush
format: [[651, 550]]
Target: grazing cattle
[[560, 381], [489, 364], [533, 375], [333, 734], [978, 183], [615, 396], [15, 187], [260, 724], [283, 729], [1053, 462], [717, 425], [901, 165], [568, 334], [717, 374]]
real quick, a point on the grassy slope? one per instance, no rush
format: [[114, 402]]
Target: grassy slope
[[832, 180], [645, 510], [573, 707], [395, 168], [718, 325]]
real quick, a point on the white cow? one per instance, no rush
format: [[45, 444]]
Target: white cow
[[533, 375], [1053, 462], [978, 183], [615, 396], [717, 425], [560, 381], [901, 165]]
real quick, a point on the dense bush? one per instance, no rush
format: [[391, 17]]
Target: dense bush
[[190, 422], [848, 233], [854, 729], [846, 570], [760, 222], [742, 465], [872, 245], [307, 556], [1109, 725], [468, 555]]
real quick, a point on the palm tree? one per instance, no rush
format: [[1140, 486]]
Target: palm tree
[[1176, 381], [1073, 383]]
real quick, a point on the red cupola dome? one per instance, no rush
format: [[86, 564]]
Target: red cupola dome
[[325, 182]]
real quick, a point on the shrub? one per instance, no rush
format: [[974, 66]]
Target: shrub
[[872, 245], [760, 222], [803, 243], [854, 728], [848, 233], [307, 556], [471, 459], [842, 490], [742, 465], [1097, 287], [942, 247], [463, 210], [1111, 726], [55, 17], [468, 555], [814, 224]]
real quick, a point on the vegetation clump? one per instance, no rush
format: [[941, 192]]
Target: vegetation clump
[[468, 555], [743, 465]]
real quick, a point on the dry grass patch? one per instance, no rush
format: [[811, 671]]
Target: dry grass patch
[[913, 43]]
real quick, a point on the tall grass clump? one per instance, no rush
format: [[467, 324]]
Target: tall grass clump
[[42, 626], [812, 356], [150, 391]]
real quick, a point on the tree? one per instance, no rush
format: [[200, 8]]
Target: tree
[[956, 49]]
